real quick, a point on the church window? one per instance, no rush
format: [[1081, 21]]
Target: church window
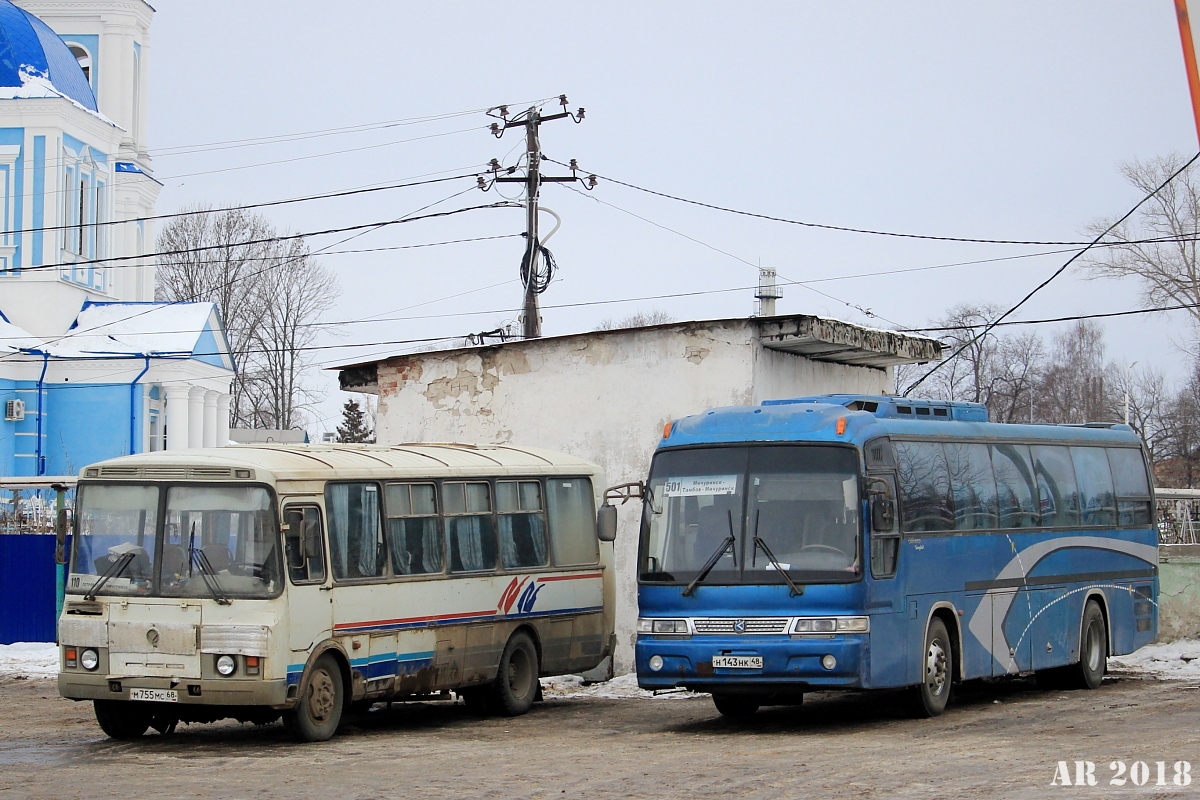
[[84, 58]]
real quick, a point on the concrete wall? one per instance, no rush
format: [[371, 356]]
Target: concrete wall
[[603, 397], [1178, 592]]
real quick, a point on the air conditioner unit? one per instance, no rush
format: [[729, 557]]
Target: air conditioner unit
[[14, 410]]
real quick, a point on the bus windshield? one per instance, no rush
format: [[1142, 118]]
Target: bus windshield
[[212, 541], [765, 509]]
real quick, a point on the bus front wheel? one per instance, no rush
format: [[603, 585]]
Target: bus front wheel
[[316, 717], [120, 719], [517, 684], [932, 694]]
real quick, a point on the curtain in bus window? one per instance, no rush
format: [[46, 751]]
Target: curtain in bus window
[[1131, 485], [472, 543], [355, 535], [924, 487], [1097, 504], [1058, 498], [521, 525], [412, 528], [1015, 486], [572, 521], [973, 485]]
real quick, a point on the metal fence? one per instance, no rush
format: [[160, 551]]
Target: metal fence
[[28, 590], [1178, 516]]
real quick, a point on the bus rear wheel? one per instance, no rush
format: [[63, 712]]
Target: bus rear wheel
[[736, 706], [932, 694], [120, 719], [1093, 650], [322, 695], [517, 684]]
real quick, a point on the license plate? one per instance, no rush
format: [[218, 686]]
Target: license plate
[[155, 695], [737, 662]]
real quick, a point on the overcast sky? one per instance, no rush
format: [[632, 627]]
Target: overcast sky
[[1000, 120]]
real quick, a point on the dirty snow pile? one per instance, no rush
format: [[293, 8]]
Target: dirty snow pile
[[623, 687], [28, 660], [1175, 661]]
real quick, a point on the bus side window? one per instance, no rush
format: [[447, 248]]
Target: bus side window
[[926, 503], [1058, 498], [305, 543], [1016, 486], [1096, 503], [414, 539], [355, 535], [1131, 485], [521, 524], [973, 484], [469, 525], [572, 521]]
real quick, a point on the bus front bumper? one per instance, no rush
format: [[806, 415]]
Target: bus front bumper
[[187, 691], [799, 663]]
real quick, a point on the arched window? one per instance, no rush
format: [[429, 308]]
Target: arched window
[[84, 58]]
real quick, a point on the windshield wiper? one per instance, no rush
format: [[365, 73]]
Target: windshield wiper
[[726, 545], [114, 569], [759, 543], [200, 559]]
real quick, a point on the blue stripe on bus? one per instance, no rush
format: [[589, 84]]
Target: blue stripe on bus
[[352, 629], [380, 665]]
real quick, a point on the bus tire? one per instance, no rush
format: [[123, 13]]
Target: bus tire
[[516, 683], [120, 719], [736, 706], [1093, 650], [932, 694], [322, 696]]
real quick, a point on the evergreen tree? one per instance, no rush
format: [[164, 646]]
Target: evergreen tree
[[353, 428]]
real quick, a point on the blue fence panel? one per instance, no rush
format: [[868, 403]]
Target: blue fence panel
[[27, 588]]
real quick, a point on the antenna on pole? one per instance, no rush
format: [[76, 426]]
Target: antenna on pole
[[767, 292], [537, 264]]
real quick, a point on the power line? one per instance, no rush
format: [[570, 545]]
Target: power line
[[366, 227], [247, 206], [1053, 275], [868, 231], [1049, 320]]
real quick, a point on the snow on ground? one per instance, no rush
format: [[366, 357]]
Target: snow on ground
[[28, 660], [1175, 661]]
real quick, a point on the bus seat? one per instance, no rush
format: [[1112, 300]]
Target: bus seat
[[173, 560], [711, 530], [218, 556]]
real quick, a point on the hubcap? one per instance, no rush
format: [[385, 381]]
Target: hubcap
[[1093, 645], [321, 696], [518, 674], [935, 667]]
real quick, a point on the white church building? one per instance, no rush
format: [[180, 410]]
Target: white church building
[[91, 366]]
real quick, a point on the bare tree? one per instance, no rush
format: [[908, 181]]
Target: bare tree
[[1167, 269], [969, 374], [269, 292], [1073, 386], [1017, 369], [1142, 401], [639, 319]]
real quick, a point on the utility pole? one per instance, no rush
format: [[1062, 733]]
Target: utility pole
[[537, 265]]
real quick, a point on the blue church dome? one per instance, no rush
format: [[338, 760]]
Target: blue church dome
[[29, 46]]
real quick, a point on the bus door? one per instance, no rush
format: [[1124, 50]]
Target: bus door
[[310, 610], [885, 598]]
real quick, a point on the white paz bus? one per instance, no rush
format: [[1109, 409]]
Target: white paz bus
[[267, 581]]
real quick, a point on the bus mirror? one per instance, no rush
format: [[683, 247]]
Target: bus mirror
[[60, 526], [312, 538], [606, 523], [883, 513]]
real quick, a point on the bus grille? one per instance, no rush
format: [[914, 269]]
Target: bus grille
[[753, 625]]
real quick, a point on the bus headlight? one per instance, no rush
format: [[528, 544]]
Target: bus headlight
[[669, 626], [226, 665], [828, 662], [89, 659], [656, 663], [832, 625]]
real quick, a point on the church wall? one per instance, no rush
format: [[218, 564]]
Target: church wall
[[88, 423], [8, 430]]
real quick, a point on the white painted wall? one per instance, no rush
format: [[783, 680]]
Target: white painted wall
[[604, 397]]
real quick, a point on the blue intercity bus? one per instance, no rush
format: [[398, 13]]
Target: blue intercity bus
[[863, 542]]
